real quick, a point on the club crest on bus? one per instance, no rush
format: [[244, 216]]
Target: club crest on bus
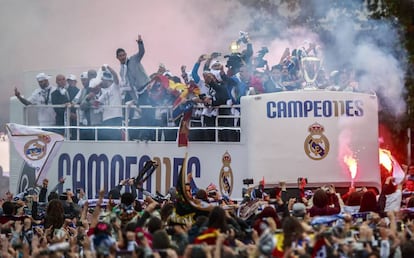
[[316, 145], [36, 149], [226, 175]]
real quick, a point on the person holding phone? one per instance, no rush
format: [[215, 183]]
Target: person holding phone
[[70, 206]]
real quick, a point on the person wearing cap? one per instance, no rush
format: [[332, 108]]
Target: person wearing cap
[[84, 106], [111, 101], [72, 90], [71, 86], [91, 103], [41, 96], [82, 92]]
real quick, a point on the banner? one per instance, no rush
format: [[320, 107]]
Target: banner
[[35, 146]]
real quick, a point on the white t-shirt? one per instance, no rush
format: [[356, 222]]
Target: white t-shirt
[[45, 115], [111, 96], [393, 201]]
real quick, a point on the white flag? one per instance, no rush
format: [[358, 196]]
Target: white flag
[[37, 147], [397, 172]]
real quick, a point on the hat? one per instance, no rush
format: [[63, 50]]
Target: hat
[[168, 74], [107, 76], [84, 75], [71, 77], [298, 209], [42, 76], [94, 82]]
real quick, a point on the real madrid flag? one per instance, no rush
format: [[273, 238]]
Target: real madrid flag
[[35, 146]]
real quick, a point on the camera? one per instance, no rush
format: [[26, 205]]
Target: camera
[[63, 197], [248, 181]]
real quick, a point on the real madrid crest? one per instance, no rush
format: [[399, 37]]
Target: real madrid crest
[[36, 149], [226, 175], [316, 144]]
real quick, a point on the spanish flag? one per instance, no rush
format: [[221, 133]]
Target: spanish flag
[[184, 129]]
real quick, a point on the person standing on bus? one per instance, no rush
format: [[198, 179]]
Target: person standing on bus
[[60, 96], [41, 96], [134, 80], [111, 100]]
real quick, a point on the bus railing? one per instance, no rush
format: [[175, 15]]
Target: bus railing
[[72, 128]]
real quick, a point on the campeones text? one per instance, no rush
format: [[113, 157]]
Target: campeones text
[[314, 108]]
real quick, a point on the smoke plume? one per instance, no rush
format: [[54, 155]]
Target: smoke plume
[[50, 35]]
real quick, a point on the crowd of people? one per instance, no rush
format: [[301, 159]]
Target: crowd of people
[[131, 97], [199, 222], [194, 222]]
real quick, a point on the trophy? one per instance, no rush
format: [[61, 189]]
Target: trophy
[[310, 68]]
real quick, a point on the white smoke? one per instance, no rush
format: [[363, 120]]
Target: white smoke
[[57, 35], [373, 49], [383, 74]]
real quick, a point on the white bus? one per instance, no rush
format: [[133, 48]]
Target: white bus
[[283, 136]]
